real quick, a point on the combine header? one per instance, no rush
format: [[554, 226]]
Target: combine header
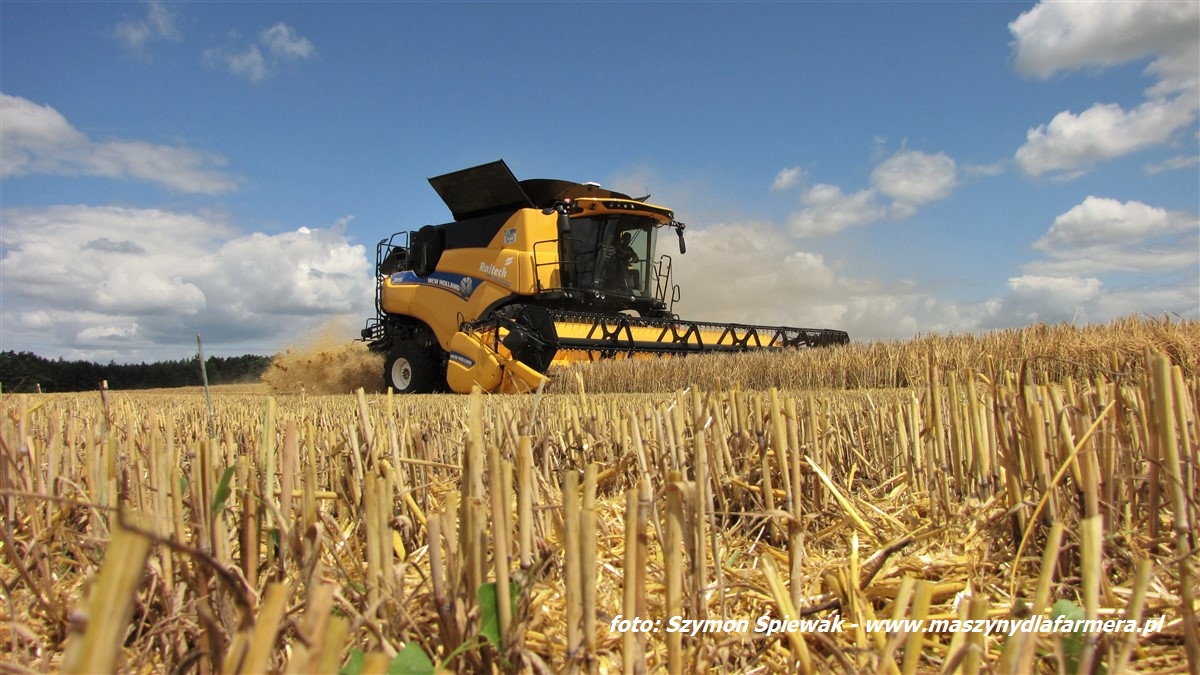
[[536, 271]]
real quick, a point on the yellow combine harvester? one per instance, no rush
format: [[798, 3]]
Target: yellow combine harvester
[[536, 271]]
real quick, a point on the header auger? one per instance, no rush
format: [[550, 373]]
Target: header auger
[[536, 271]]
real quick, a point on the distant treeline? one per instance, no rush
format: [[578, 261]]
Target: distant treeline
[[26, 372]]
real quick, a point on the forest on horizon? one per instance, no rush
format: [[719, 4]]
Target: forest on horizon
[[26, 372]]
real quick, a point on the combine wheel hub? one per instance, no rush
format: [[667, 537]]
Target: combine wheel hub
[[402, 373]]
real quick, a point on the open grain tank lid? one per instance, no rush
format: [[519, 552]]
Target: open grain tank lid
[[492, 188]]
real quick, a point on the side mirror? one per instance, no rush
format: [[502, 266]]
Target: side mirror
[[679, 231]]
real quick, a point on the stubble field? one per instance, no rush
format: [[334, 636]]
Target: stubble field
[[302, 526]]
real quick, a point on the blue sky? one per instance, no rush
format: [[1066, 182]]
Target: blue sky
[[888, 168]]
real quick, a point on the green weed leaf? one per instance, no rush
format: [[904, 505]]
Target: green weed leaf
[[1072, 644], [411, 660], [354, 664], [489, 615], [223, 490]]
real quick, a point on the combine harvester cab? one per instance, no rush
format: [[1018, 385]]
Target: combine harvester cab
[[535, 272]]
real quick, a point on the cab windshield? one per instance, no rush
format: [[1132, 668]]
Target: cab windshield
[[613, 253]]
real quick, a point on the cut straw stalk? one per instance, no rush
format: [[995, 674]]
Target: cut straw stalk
[[588, 554], [1168, 437], [645, 508], [443, 600], [700, 510], [1091, 554], [311, 487], [975, 649], [372, 526], [1041, 598], [631, 653], [525, 499], [572, 554], [796, 521], [249, 529], [472, 530], [674, 571], [899, 608], [783, 602], [1133, 612], [981, 446], [914, 645], [161, 461], [266, 464], [1067, 463], [501, 532], [266, 628], [109, 605], [314, 628], [287, 476], [847, 507]]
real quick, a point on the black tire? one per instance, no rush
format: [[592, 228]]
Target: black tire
[[413, 369]]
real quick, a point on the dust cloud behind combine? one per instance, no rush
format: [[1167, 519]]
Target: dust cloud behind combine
[[326, 362]]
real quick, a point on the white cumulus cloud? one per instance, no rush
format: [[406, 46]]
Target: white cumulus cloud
[[283, 42], [1072, 144], [1063, 36], [757, 273], [276, 46], [1103, 259], [828, 210], [37, 139], [1173, 164], [1103, 221], [916, 178], [1056, 36], [737, 272], [158, 24], [78, 274], [788, 179], [1047, 299], [1102, 235], [901, 183]]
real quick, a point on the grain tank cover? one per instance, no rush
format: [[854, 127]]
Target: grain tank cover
[[489, 189], [481, 191]]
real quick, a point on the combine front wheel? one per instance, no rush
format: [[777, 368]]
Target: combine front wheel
[[410, 369]]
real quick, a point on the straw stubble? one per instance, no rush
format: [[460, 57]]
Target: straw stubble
[[378, 518]]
